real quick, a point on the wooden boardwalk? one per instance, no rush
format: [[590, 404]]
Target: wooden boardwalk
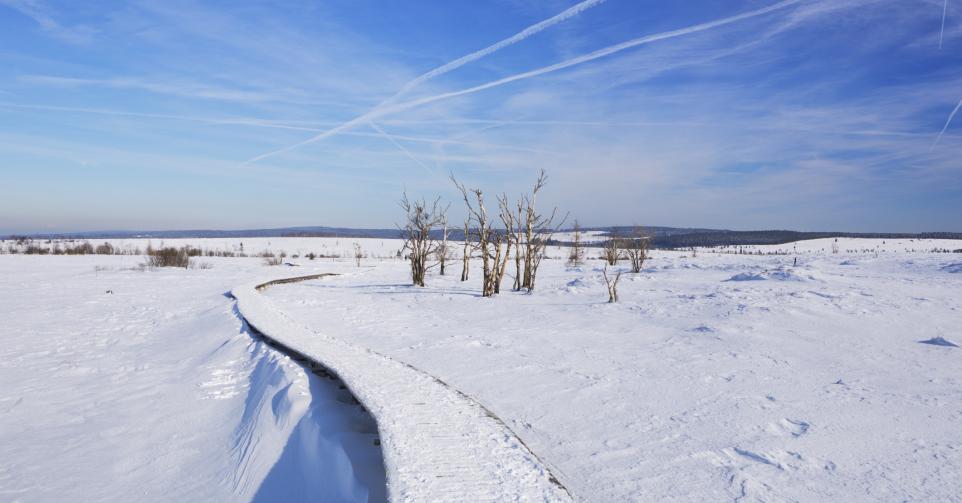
[[439, 444]]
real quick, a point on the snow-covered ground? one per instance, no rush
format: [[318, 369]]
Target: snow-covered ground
[[717, 376], [124, 385]]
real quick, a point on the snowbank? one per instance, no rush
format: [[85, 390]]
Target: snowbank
[[438, 444], [778, 274], [119, 385]]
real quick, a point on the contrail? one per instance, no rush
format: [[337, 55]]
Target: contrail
[[595, 55], [945, 6], [518, 37], [379, 112], [441, 70], [946, 126], [399, 146]]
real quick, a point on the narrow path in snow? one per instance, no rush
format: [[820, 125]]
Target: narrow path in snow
[[438, 443]]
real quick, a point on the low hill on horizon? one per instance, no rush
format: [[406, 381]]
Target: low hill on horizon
[[662, 237]]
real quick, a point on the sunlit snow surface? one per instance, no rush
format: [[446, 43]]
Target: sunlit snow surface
[[821, 380], [154, 392]]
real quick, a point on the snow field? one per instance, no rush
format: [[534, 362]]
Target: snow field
[[808, 382], [716, 377], [155, 392]]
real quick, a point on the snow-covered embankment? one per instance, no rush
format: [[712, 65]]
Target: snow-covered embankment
[[438, 444]]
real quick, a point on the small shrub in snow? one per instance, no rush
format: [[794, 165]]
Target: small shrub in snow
[[358, 254], [169, 257], [611, 251], [272, 260], [636, 249]]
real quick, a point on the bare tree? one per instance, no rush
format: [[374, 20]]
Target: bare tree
[[358, 253], [636, 249], [484, 235], [518, 232], [537, 231], [510, 238], [416, 232], [611, 251], [466, 254], [612, 285], [576, 256], [442, 252]]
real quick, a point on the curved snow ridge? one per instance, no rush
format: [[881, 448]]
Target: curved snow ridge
[[438, 443]]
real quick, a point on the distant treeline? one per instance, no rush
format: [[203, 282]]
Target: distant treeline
[[662, 237], [704, 238]]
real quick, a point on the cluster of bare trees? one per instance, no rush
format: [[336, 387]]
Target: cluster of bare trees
[[516, 232], [633, 248], [518, 227]]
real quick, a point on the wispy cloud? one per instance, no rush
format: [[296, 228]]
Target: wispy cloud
[[185, 89], [607, 51], [441, 70], [43, 16], [827, 105], [292, 126]]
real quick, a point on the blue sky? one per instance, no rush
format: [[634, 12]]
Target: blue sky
[[741, 114]]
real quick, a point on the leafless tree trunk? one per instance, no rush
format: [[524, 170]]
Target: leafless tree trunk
[[442, 253], [416, 232], [537, 231], [636, 249], [466, 256], [518, 235], [540, 250], [612, 285], [507, 218], [576, 256], [474, 199], [496, 265]]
